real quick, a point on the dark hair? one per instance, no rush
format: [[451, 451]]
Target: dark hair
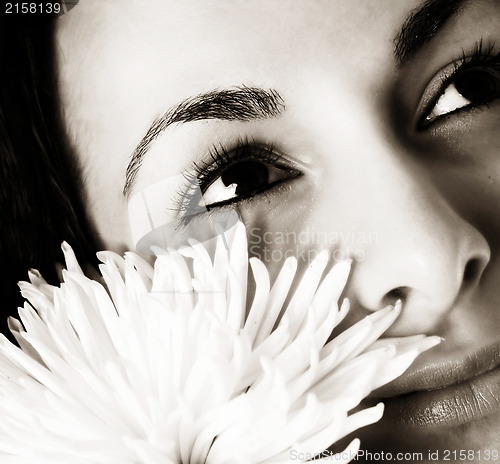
[[40, 204]]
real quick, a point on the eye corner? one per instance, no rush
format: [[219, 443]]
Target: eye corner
[[426, 105]]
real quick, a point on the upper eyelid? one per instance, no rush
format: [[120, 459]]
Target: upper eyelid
[[222, 157]]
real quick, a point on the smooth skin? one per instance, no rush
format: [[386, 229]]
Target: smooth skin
[[418, 205]]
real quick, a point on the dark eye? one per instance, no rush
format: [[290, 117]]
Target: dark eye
[[469, 87], [478, 85], [243, 179], [247, 176]]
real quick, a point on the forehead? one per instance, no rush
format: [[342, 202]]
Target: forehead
[[197, 18], [197, 35], [142, 53]]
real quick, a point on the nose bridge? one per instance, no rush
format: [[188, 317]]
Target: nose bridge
[[423, 251]]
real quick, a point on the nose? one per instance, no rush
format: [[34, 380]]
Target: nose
[[420, 250]]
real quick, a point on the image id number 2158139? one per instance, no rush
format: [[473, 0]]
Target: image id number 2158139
[[32, 7]]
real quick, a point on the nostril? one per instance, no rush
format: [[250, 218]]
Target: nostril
[[472, 270], [398, 293]]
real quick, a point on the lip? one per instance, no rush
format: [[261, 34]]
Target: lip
[[449, 393]]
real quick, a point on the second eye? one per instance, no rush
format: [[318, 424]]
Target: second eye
[[472, 87], [472, 81]]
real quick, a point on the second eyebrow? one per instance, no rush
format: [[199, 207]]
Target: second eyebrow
[[422, 25], [234, 104]]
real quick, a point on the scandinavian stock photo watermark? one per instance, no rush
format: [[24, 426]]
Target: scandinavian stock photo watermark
[[304, 245]]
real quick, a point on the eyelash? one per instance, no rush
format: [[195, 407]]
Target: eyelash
[[203, 174], [481, 57]]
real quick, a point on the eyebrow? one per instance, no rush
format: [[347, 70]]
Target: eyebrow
[[234, 104], [422, 25]]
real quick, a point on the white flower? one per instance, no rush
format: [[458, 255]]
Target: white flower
[[166, 368]]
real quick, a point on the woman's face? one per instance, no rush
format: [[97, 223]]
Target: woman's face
[[369, 128]]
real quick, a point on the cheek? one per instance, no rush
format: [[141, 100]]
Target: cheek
[[281, 225], [465, 166]]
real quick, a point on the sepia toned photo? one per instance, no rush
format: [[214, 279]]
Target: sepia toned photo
[[250, 231]]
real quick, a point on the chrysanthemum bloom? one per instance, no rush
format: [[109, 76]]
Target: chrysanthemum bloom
[[165, 366]]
